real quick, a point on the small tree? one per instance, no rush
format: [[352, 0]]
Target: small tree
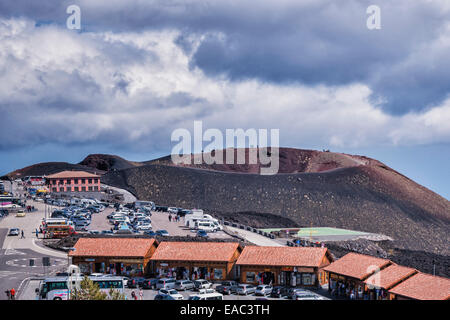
[[88, 291], [91, 291]]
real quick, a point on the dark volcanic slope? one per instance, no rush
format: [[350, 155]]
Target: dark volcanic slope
[[107, 162], [290, 161], [368, 198], [46, 168]]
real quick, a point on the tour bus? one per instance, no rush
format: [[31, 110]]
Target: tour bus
[[206, 294], [58, 231], [56, 288]]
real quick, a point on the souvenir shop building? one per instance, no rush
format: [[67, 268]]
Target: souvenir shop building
[[422, 286], [121, 256], [289, 266], [347, 274], [196, 260], [382, 281]]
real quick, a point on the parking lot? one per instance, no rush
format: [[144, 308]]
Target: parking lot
[[159, 221], [149, 294]]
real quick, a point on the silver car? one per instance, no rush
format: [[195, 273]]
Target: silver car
[[245, 289], [165, 283], [263, 290], [202, 284], [184, 285]]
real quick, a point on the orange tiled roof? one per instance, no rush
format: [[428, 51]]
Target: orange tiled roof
[[195, 251], [356, 265], [72, 174], [282, 256], [390, 276], [110, 247], [423, 286]]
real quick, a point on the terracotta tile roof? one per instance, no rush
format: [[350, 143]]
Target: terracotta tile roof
[[282, 256], [72, 174], [390, 276], [424, 287], [110, 247], [356, 265], [195, 251]]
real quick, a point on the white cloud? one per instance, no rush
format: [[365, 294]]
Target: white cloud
[[132, 89]]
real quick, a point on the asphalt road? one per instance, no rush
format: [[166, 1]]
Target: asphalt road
[[16, 252]]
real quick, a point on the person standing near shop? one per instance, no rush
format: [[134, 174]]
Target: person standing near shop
[[12, 293]]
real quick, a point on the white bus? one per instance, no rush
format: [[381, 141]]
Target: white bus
[[56, 288]]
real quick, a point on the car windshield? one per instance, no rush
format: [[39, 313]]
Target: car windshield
[[173, 291]]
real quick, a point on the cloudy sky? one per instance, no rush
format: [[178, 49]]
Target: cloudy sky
[[139, 69]]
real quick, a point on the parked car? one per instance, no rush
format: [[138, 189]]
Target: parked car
[[300, 295], [171, 292], [263, 290], [144, 227], [172, 210], [107, 232], [20, 213], [202, 284], [184, 285], [206, 294], [227, 287], [202, 234], [165, 283], [150, 233], [245, 289], [279, 292], [135, 282], [149, 283], [163, 233], [294, 291], [14, 232], [164, 297], [79, 227]]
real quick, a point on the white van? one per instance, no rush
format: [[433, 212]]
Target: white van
[[208, 226], [206, 294]]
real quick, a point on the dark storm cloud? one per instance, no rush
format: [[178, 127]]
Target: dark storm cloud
[[309, 42]]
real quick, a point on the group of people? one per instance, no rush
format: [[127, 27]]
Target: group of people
[[175, 218], [11, 294], [141, 295], [349, 291]]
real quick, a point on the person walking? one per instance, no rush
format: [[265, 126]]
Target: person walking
[[141, 294], [133, 295], [8, 294], [13, 294], [170, 217], [22, 235], [37, 233]]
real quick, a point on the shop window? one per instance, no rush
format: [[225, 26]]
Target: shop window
[[84, 268], [75, 188], [251, 276], [218, 274], [308, 279]]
